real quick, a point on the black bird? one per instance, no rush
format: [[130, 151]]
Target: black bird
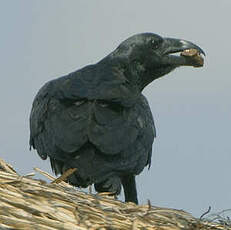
[[97, 120]]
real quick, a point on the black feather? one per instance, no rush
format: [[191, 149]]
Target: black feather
[[97, 119]]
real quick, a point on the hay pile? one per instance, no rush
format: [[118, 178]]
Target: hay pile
[[26, 203]]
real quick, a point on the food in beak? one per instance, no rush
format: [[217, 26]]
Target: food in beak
[[194, 56]]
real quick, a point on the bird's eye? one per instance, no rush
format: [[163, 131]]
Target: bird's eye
[[155, 44]]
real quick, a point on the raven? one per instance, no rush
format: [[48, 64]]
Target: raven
[[97, 120]]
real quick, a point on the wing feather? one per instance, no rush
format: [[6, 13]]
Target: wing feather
[[65, 117]]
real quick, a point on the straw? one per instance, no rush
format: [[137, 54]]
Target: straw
[[27, 203]]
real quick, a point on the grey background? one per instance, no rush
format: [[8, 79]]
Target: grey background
[[44, 39]]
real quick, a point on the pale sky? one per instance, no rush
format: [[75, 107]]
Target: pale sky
[[44, 39]]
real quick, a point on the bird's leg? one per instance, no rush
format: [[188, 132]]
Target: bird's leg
[[129, 185]]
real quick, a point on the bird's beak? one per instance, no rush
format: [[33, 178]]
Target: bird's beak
[[173, 46]]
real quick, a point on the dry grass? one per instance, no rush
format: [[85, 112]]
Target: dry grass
[[26, 203]]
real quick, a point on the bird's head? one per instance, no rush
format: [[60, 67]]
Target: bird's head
[[149, 56]]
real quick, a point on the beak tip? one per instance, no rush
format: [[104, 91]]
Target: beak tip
[[188, 44]]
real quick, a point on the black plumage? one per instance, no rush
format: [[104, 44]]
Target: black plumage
[[97, 120]]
